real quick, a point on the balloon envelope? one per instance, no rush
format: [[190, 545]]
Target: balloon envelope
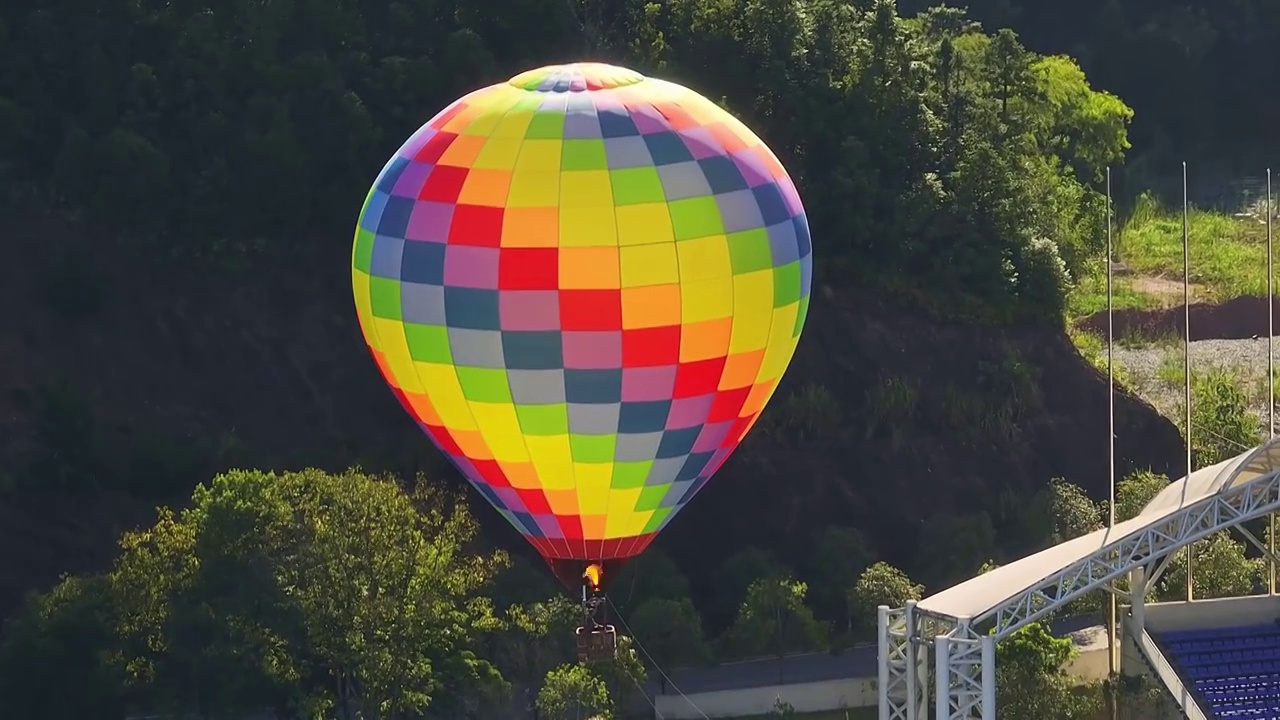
[[584, 284]]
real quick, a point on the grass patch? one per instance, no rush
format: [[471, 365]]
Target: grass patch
[[812, 412], [891, 409], [1089, 296], [1094, 349], [1228, 254], [1228, 260]]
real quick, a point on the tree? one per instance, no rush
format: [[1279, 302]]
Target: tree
[[538, 637], [672, 631], [1031, 678], [63, 639], [734, 577], [773, 619], [896, 127], [1135, 491], [652, 575], [839, 556], [522, 583], [1222, 425], [624, 675], [1220, 568], [955, 546], [880, 584], [1142, 698], [573, 692], [1074, 514], [320, 592]]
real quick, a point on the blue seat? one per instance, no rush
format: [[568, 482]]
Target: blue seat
[[1234, 671]]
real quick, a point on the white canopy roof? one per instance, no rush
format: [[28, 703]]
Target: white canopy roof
[[994, 589]]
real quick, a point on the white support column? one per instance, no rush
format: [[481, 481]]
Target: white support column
[[910, 635], [882, 638], [988, 677], [921, 697], [895, 671], [942, 671], [1138, 598], [964, 674]]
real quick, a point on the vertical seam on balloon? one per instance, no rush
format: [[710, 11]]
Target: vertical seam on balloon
[[733, 311], [768, 341], [680, 284], [373, 326], [622, 365], [573, 467], [506, 371], [680, 271], [373, 330], [773, 286], [622, 100], [467, 401], [564, 541]]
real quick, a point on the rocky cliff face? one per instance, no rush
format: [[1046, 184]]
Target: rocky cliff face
[[122, 384]]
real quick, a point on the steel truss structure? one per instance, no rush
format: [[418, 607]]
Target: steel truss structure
[[964, 647]]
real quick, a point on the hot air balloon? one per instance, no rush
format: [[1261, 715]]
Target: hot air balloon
[[584, 284]]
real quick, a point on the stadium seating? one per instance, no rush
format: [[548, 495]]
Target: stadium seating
[[1234, 672]]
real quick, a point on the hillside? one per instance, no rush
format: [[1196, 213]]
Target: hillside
[[184, 185], [885, 420]]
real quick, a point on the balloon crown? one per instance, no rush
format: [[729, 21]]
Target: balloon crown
[[575, 77]]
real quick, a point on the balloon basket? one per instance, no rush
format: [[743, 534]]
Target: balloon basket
[[598, 644]]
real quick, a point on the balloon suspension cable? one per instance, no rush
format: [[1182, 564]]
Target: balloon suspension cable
[[654, 663]]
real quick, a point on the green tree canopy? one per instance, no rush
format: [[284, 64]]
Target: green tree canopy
[[774, 620], [322, 592], [1074, 514], [1031, 678], [880, 584], [574, 692], [953, 547], [840, 555], [652, 575], [731, 580], [63, 639], [1135, 491], [940, 165], [672, 632], [1220, 568]]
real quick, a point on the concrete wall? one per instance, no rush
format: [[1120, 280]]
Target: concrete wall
[[849, 681], [804, 697], [1205, 614]]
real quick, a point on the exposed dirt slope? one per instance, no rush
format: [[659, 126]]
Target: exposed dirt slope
[[1236, 319]]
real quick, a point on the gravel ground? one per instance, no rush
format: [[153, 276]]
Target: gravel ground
[[1155, 372]]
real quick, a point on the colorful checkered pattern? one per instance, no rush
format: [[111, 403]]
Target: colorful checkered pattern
[[584, 285]]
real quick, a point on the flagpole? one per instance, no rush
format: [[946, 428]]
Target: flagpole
[[1186, 351], [1271, 375], [1112, 640]]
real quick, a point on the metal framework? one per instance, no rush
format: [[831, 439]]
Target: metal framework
[[964, 656]]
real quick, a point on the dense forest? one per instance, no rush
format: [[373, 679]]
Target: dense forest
[[181, 182], [930, 155]]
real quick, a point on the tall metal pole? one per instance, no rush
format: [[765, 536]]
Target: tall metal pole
[[1271, 376], [1186, 350], [1113, 655]]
